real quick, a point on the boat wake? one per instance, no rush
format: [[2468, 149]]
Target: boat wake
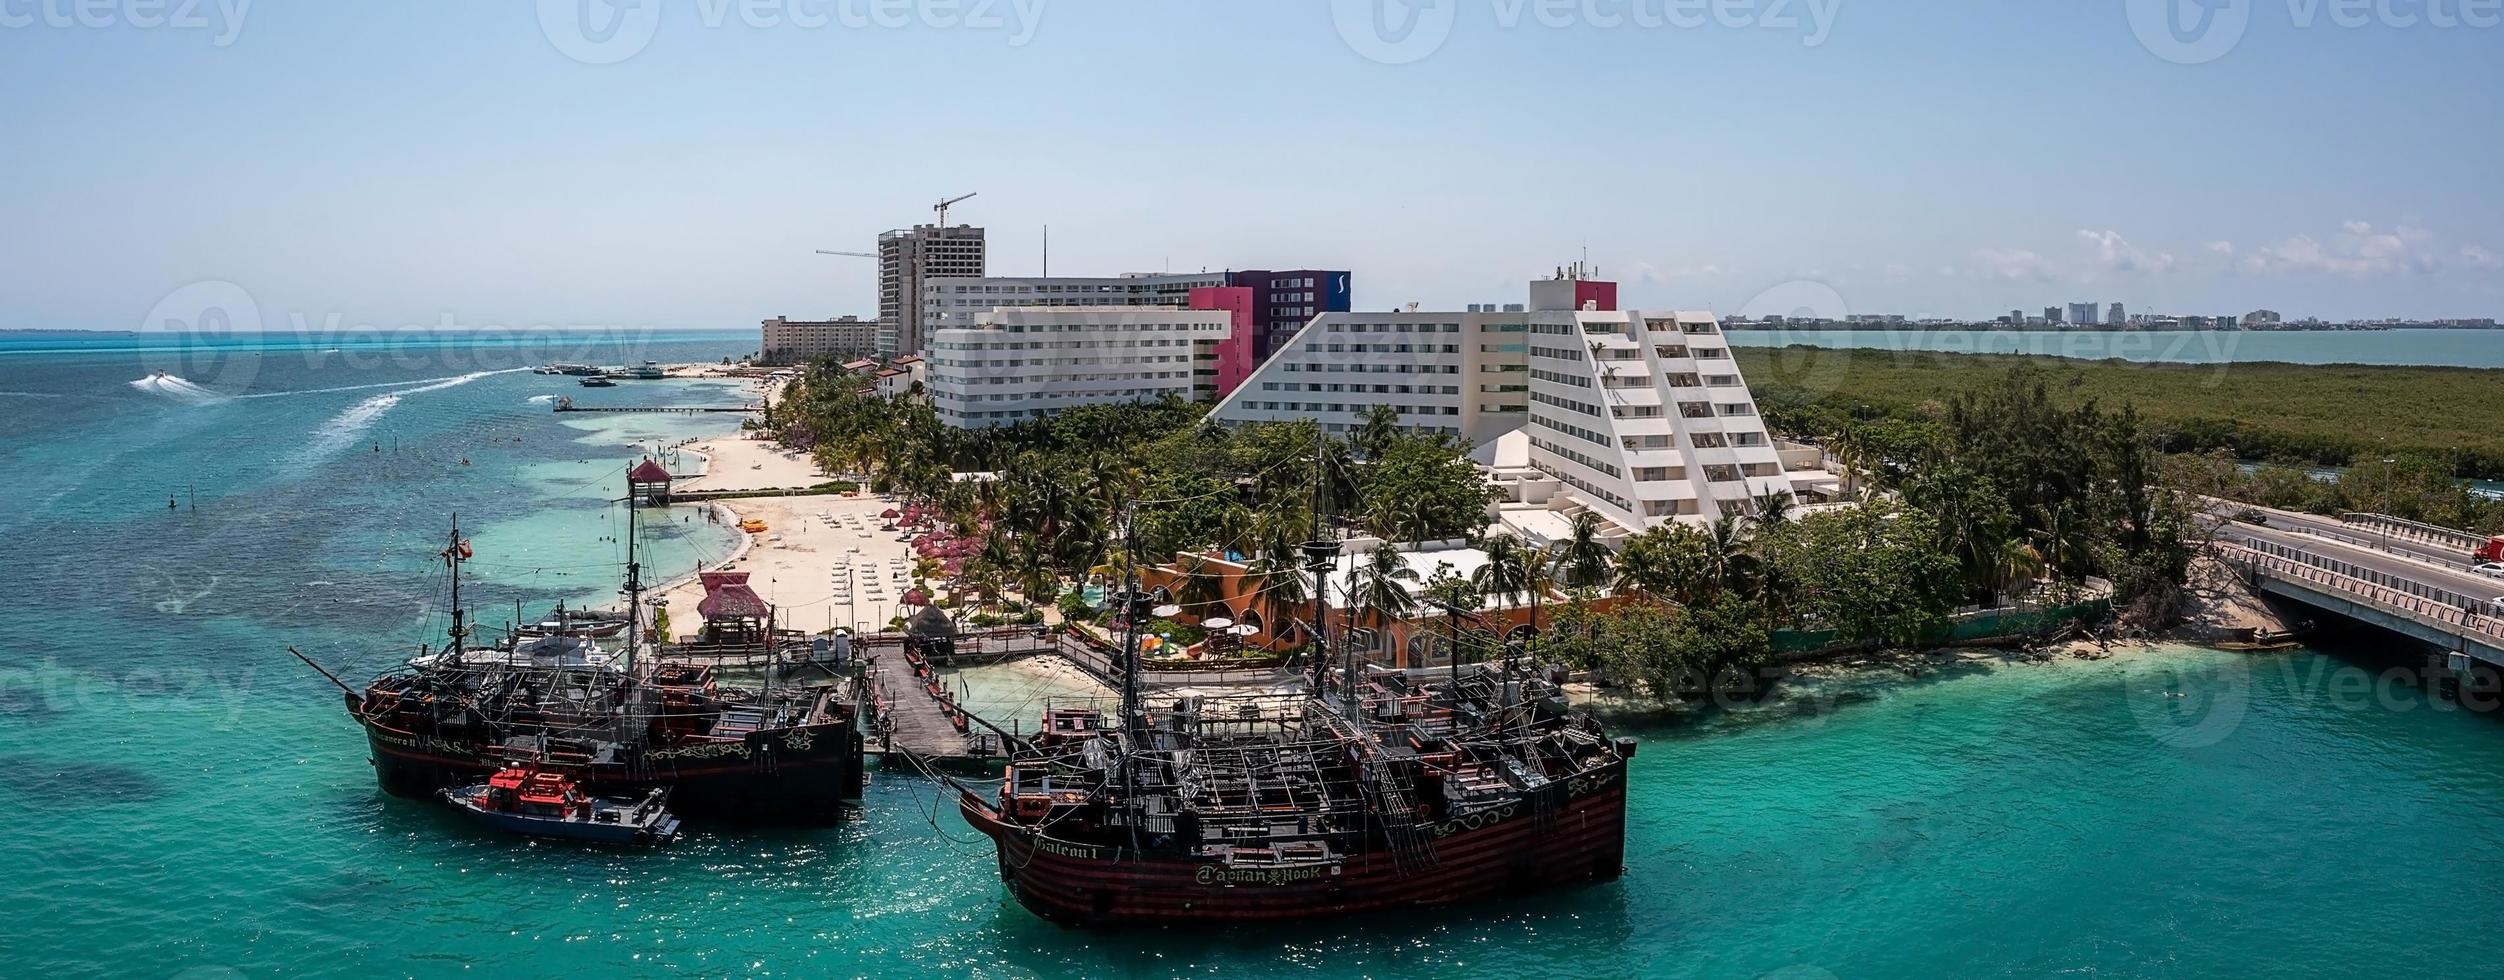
[[178, 389], [541, 399], [341, 388], [343, 428]]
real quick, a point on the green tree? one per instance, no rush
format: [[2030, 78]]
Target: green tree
[[1582, 558]]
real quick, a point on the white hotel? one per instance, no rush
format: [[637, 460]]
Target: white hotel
[[1018, 364], [1640, 418], [963, 302]]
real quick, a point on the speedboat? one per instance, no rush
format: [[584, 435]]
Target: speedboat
[[547, 803], [598, 383]]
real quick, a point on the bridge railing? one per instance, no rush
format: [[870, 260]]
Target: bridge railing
[[2417, 531], [2375, 576], [2466, 614]]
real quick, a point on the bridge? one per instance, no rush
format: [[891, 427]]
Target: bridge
[[2395, 577]]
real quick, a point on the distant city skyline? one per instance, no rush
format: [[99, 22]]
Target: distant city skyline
[[398, 164]]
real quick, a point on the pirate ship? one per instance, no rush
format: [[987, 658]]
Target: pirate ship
[[1375, 790], [624, 721]]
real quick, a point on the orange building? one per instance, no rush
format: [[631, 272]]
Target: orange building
[[1410, 642]]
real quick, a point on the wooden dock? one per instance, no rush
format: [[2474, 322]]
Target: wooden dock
[[918, 721]]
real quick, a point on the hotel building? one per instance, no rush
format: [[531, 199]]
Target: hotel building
[[796, 341], [907, 261], [1638, 417], [1019, 364], [1281, 302]]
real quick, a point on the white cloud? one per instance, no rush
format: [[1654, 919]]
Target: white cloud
[[2221, 248], [2014, 265], [2109, 252], [2479, 258], [2358, 251]]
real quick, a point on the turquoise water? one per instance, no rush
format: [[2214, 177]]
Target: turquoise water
[[2453, 348], [185, 800]]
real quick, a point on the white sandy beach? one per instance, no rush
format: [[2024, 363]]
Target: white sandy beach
[[817, 575], [742, 460], [734, 462]]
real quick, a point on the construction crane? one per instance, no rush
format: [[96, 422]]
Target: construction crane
[[943, 207], [857, 255]]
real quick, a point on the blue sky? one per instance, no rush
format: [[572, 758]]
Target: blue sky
[[399, 162]]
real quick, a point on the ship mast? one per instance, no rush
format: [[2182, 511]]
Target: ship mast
[[634, 583], [452, 560], [1320, 556], [1134, 605]]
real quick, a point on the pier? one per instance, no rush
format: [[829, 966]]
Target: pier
[[920, 714]]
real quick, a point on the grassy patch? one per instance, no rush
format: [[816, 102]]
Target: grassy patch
[[2332, 414]]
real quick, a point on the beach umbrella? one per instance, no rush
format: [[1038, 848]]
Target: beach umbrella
[[916, 597], [889, 514]]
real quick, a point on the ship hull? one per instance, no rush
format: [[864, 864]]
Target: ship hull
[[800, 775], [1508, 850]]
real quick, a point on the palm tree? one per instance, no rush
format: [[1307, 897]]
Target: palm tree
[[1387, 519], [1773, 509], [1338, 477], [1381, 586], [1233, 527], [1539, 575], [1507, 571], [1381, 425], [1275, 579], [1643, 566], [2017, 562], [1851, 451], [1196, 585], [2065, 539], [1277, 584], [1581, 557], [1727, 564]]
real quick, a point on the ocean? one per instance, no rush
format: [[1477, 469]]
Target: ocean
[[2453, 348], [185, 800]]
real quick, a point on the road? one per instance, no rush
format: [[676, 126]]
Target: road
[[2330, 527], [2408, 560]]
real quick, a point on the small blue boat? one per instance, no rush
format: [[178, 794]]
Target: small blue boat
[[545, 803]]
